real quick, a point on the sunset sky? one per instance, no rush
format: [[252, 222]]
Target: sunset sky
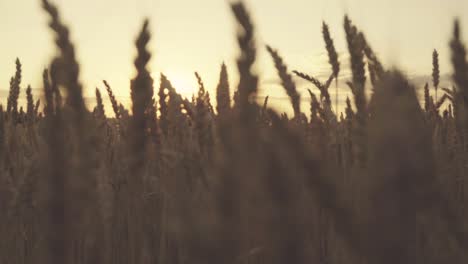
[[198, 35]]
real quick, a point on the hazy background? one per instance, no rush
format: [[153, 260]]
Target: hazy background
[[199, 35]]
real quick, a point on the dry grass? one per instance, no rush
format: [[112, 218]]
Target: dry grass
[[174, 181]]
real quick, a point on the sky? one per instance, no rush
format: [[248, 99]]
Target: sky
[[198, 35]]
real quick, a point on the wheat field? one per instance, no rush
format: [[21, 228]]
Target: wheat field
[[228, 179]]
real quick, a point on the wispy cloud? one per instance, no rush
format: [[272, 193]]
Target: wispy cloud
[[419, 80]]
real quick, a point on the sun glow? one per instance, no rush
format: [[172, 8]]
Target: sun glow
[[184, 83]]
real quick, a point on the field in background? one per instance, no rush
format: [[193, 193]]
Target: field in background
[[224, 178]]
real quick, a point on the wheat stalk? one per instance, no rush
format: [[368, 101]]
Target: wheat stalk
[[248, 81], [222, 92], [113, 100], [286, 81], [435, 72]]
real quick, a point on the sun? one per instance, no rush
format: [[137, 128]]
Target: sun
[[184, 83]]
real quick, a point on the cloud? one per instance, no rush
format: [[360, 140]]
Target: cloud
[[419, 80]]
